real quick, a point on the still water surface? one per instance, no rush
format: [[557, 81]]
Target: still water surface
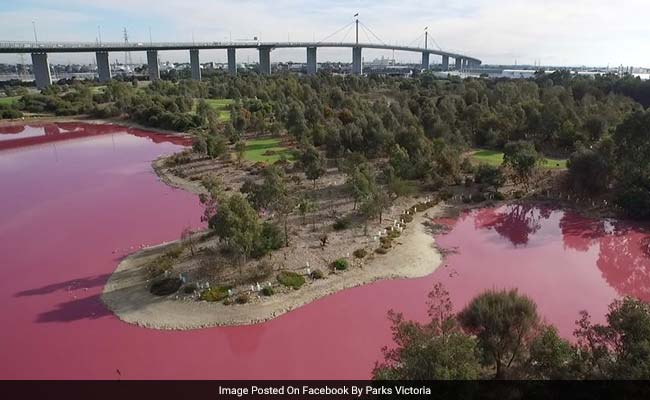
[[76, 198]]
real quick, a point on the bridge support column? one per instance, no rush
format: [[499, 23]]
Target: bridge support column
[[459, 63], [312, 65], [425, 61], [465, 63], [357, 61], [152, 65], [445, 63], [41, 69], [265, 60], [232, 61], [103, 66], [195, 65]]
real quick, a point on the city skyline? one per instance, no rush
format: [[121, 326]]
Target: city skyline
[[498, 32]]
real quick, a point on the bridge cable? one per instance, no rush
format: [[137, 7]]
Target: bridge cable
[[372, 33], [346, 34], [335, 32], [416, 40]]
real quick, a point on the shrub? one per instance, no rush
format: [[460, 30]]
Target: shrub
[[243, 298], [263, 271], [159, 266], [189, 288], [498, 196], [489, 175], [445, 195], [291, 279], [268, 291], [174, 251], [360, 253], [477, 198], [407, 218], [317, 274], [165, 287], [381, 250], [340, 265], [635, 200], [215, 294], [342, 223]]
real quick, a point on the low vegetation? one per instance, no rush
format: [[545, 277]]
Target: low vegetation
[[500, 335], [291, 279]]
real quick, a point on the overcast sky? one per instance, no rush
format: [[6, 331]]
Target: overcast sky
[[553, 32]]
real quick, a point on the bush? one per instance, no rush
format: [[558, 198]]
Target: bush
[[268, 291], [635, 200], [159, 266], [381, 250], [291, 279], [165, 287], [498, 196], [407, 218], [445, 195], [342, 223], [189, 288], [243, 298], [360, 253], [317, 274], [174, 251], [489, 175], [263, 271], [215, 294], [340, 265]]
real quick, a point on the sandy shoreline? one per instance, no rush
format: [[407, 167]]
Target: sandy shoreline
[[126, 292]]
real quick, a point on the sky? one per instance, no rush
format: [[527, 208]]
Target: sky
[[546, 32]]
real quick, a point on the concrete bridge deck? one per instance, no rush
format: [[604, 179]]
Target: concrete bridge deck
[[40, 50]]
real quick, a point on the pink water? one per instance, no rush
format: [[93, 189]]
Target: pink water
[[76, 200]]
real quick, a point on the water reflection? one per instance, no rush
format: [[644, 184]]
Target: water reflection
[[16, 136], [623, 248], [516, 222]]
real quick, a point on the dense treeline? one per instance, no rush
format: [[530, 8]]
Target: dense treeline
[[499, 334], [422, 125]]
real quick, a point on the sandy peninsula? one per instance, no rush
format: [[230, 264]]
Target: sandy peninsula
[[126, 292]]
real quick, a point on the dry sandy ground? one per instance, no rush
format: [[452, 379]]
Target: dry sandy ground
[[126, 292]]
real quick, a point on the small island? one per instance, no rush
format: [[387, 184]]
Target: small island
[[284, 229]]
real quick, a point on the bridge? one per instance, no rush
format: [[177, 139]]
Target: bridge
[[41, 69]]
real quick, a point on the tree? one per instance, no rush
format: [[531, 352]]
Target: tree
[[435, 350], [359, 182], [313, 163], [589, 171], [503, 322], [215, 146], [489, 175], [551, 357], [306, 206], [522, 157], [237, 223], [240, 149], [621, 349]]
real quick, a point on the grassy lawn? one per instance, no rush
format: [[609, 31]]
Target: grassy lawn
[[495, 158], [9, 100], [256, 148], [221, 106], [98, 89]]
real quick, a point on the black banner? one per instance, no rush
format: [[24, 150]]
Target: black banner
[[205, 390]]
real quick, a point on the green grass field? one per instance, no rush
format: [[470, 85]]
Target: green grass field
[[495, 158], [221, 106], [256, 148], [9, 100]]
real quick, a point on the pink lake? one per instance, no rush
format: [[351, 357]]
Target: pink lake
[[76, 198]]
